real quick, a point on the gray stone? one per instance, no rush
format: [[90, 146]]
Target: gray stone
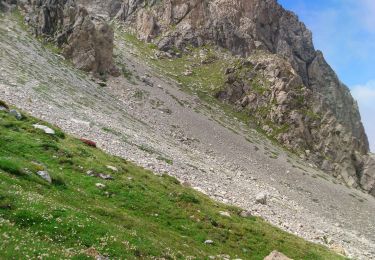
[[45, 175]]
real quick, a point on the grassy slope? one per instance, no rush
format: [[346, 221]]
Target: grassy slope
[[137, 215]]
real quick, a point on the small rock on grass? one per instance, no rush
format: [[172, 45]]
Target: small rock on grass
[[113, 168], [224, 214], [208, 242], [45, 175], [105, 176], [46, 129], [100, 185], [16, 114], [275, 255]]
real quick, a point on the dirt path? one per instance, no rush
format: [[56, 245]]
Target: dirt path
[[167, 130]]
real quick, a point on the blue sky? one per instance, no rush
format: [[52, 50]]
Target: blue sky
[[345, 31]]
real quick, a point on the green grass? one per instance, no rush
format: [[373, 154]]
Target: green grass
[[137, 215]]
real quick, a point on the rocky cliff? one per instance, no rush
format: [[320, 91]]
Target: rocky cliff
[[86, 40], [284, 83]]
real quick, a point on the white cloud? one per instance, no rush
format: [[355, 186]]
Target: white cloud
[[365, 95]]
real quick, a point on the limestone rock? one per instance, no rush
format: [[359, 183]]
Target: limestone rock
[[46, 129]]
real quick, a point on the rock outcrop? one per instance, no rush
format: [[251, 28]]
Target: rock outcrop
[[87, 41], [284, 83]]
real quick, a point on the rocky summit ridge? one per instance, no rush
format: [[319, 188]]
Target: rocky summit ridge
[[281, 80]]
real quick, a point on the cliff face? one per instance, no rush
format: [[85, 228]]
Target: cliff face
[[243, 27], [303, 104]]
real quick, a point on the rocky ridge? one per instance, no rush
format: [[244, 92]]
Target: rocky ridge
[[305, 107]]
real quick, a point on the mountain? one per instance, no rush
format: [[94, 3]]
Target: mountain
[[304, 105], [229, 97]]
